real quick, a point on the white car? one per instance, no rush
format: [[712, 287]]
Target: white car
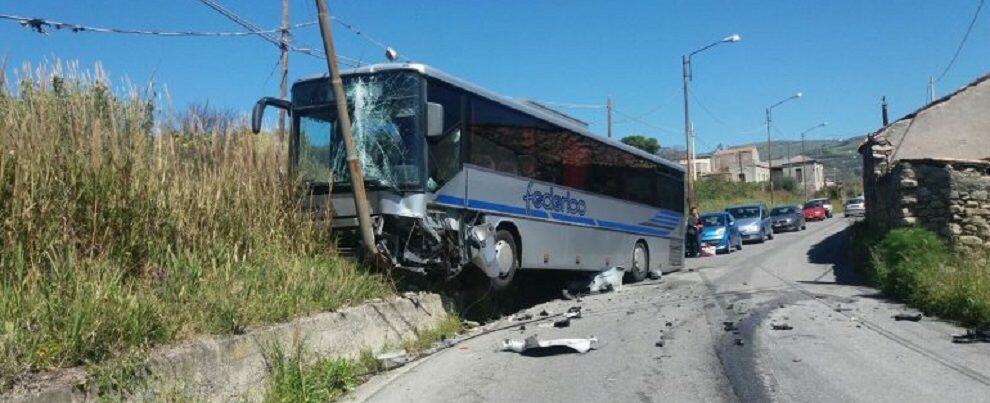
[[856, 207], [825, 203]]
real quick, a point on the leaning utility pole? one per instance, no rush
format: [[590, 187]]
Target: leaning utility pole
[[608, 111], [769, 157], [283, 44], [344, 122]]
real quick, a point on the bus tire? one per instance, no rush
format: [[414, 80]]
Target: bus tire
[[640, 267], [507, 253]]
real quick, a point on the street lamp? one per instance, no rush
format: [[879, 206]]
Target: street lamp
[[688, 138], [769, 151], [804, 164]]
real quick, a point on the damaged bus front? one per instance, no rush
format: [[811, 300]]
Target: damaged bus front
[[392, 124], [458, 177]]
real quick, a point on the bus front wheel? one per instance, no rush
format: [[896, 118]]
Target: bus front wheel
[[507, 255]]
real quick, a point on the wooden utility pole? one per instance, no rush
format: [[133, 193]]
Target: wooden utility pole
[[284, 46], [608, 111], [344, 125]]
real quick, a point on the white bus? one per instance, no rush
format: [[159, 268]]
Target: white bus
[[460, 178]]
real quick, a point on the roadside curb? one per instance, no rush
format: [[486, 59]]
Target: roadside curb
[[236, 367]]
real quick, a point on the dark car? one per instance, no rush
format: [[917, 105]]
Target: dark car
[[719, 229], [787, 218], [815, 211]]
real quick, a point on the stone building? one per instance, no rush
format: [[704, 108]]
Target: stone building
[[740, 164], [808, 172], [932, 168]]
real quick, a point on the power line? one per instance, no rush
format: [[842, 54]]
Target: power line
[[573, 106], [963, 41], [644, 123], [40, 25], [269, 37]]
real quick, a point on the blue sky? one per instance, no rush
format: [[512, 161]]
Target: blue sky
[[843, 55]]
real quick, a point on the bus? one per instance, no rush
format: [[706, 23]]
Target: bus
[[460, 178]]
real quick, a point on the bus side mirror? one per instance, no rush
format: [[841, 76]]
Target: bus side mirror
[[434, 119], [259, 110]]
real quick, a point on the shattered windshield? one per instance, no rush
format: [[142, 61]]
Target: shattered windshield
[[385, 112]]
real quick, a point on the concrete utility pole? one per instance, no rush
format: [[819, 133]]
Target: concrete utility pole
[[344, 122], [883, 110], [688, 130], [284, 46], [608, 111], [770, 145]]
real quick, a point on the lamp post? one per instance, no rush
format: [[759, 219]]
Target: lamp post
[[804, 164], [688, 140], [769, 144]]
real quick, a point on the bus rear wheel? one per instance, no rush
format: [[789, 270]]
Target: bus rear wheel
[[507, 255], [640, 263]]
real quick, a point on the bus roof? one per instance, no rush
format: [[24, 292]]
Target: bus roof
[[555, 118]]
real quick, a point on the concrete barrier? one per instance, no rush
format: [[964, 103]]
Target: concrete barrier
[[236, 367]]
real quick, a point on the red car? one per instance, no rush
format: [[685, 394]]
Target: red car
[[814, 211]]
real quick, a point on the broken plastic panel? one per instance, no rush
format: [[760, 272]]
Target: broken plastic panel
[[534, 343]]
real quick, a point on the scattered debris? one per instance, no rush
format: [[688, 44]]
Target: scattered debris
[[574, 312], [739, 342], [545, 325], [669, 324], [745, 283], [471, 324], [565, 322], [781, 306], [796, 360], [707, 251], [533, 345], [730, 306], [630, 312], [781, 326], [524, 316], [659, 343], [522, 328], [729, 326], [972, 336], [544, 313], [392, 359], [913, 317], [841, 308], [608, 280]]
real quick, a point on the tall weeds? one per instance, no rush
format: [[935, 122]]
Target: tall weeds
[[121, 232]]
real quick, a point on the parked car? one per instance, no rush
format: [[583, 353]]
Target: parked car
[[787, 218], [753, 221], [814, 211], [856, 207], [826, 204], [719, 229]]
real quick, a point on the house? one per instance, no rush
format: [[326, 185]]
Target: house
[[740, 164], [702, 165], [808, 172], [932, 168]]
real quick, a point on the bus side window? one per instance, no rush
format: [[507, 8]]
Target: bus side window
[[445, 151]]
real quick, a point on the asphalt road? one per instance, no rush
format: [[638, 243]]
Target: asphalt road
[[844, 345]]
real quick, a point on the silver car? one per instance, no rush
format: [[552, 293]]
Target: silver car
[[855, 207], [753, 221]]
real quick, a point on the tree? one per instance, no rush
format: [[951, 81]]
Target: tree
[[648, 144]]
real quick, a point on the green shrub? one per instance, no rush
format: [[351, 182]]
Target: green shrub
[[917, 267]]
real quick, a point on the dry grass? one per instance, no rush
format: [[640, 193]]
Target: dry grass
[[122, 232]]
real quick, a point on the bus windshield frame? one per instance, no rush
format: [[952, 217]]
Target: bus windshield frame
[[387, 123]]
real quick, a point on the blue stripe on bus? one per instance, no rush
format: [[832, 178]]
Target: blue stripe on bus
[[501, 208], [573, 219], [451, 200], [668, 213], [655, 227], [666, 220]]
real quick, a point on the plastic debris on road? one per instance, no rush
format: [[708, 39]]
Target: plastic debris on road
[[913, 317], [708, 251], [580, 345], [608, 280], [972, 336], [781, 326]]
